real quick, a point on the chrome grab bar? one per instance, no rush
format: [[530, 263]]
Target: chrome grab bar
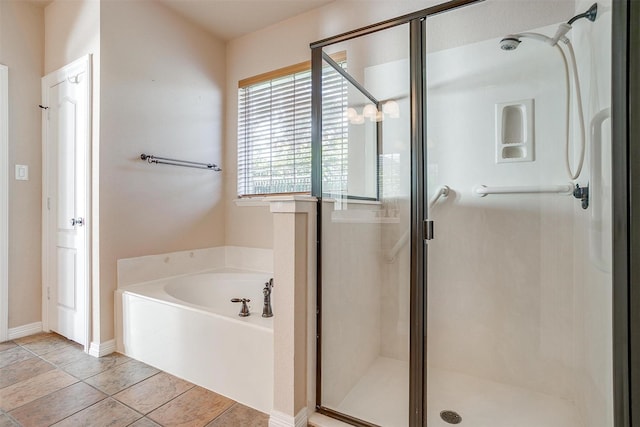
[[483, 190], [442, 191]]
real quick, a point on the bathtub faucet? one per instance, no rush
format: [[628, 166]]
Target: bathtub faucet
[[244, 311], [266, 309]]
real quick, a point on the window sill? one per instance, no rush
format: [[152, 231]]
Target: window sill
[[267, 200], [251, 201]]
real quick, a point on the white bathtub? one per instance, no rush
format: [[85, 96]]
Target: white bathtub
[[188, 327]]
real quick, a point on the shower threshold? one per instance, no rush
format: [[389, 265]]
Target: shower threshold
[[381, 397]]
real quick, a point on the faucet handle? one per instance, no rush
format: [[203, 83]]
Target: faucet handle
[[244, 310]]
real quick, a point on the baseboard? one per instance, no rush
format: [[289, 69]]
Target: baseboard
[[278, 419], [25, 330], [102, 349]]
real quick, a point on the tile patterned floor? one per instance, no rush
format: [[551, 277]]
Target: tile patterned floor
[[47, 380]]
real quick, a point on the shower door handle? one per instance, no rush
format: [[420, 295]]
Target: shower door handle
[[428, 229]]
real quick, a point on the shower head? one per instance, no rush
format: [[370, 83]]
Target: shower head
[[512, 41], [509, 43]]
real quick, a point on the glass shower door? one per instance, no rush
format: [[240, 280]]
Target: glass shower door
[[365, 229], [519, 275]]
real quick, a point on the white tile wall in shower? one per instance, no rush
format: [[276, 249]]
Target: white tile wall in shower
[[500, 269]]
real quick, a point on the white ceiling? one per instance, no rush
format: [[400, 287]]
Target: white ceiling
[[229, 19]]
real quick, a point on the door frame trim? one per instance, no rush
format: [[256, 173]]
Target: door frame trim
[[4, 203], [84, 62]]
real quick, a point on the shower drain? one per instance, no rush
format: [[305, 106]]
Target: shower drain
[[451, 417]]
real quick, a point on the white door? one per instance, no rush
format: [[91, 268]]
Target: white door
[[66, 200]]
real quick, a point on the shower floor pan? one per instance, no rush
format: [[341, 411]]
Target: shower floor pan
[[382, 394]]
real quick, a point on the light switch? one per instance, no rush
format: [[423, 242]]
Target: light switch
[[22, 172]]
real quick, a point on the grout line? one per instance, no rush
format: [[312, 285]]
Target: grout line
[[172, 399], [13, 420], [80, 410], [94, 404], [225, 411], [41, 397]]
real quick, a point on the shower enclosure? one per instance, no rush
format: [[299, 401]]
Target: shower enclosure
[[463, 275]]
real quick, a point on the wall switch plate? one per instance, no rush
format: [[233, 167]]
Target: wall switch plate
[[22, 172]]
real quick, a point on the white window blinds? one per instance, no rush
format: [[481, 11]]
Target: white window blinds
[[274, 130]]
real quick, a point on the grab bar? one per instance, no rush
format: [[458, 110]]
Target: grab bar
[[175, 162], [600, 180], [442, 191], [483, 190]]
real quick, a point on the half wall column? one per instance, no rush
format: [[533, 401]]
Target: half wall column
[[294, 253]]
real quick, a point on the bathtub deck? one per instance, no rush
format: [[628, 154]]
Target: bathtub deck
[[481, 403]]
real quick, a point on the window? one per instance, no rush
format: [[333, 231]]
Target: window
[[274, 129]]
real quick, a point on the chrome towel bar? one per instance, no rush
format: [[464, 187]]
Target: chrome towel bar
[[175, 162]]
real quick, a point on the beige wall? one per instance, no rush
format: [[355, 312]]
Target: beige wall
[[162, 93], [21, 49], [72, 30]]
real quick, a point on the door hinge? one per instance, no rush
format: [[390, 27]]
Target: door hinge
[[48, 293], [428, 229], [48, 203]]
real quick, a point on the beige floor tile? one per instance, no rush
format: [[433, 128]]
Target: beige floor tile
[[45, 345], [65, 355], [14, 355], [22, 371], [143, 422], [107, 412], [194, 408], [5, 421], [57, 406], [27, 391], [7, 345], [240, 415], [153, 392], [122, 376], [87, 366], [33, 338]]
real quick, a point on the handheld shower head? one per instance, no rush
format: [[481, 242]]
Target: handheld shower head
[[509, 43], [512, 41]]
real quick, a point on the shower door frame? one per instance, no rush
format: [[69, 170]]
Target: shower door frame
[[625, 128], [418, 295]]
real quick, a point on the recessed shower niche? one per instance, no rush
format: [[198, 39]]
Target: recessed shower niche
[[514, 131]]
